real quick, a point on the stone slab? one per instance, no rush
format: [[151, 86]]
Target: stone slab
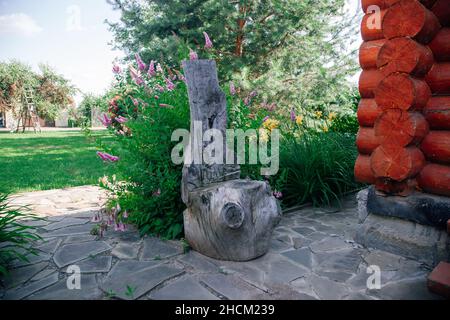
[[301, 256], [423, 208], [155, 248], [89, 290], [23, 292], [230, 286], [66, 222], [23, 274], [183, 289], [71, 253], [98, 264], [402, 237], [69, 231], [139, 276], [125, 250]]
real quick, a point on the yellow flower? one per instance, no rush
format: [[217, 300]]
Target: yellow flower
[[318, 114], [271, 124], [299, 120], [263, 135], [325, 128], [332, 116]]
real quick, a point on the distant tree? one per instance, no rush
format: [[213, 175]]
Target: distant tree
[[90, 101], [51, 91], [292, 50]]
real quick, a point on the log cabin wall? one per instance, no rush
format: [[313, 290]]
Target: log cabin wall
[[404, 112]]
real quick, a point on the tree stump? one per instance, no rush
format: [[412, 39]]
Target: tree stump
[[226, 218]]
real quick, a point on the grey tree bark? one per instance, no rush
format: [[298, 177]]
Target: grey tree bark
[[226, 218]]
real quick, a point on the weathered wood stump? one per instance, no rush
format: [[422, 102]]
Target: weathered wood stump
[[226, 218]]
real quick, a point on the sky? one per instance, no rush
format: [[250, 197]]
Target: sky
[[69, 35]]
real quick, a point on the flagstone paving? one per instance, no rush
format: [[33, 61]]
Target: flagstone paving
[[312, 256]]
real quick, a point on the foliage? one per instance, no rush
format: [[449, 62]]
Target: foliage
[[15, 237], [293, 51], [90, 101], [318, 168], [51, 91], [142, 119]]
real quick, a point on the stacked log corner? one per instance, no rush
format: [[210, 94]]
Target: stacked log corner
[[404, 113]]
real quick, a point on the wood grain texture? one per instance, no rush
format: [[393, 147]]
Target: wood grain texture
[[396, 163], [368, 112], [363, 172], [400, 128], [404, 55], [436, 146], [437, 112], [435, 178], [440, 46], [366, 141], [439, 78], [409, 18], [226, 218], [368, 81], [368, 53], [403, 92]]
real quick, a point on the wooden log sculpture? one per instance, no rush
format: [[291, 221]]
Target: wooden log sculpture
[[226, 218]]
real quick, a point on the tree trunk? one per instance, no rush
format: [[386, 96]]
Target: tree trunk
[[368, 81], [442, 11], [368, 53], [441, 45], [363, 172], [366, 141], [439, 78], [436, 146], [437, 112], [368, 112], [435, 178], [369, 31]]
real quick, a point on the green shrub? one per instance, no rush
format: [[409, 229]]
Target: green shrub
[[15, 237], [317, 168]]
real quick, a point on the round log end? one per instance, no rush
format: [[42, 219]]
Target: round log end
[[403, 92], [409, 18], [400, 128], [396, 163], [233, 215], [404, 55]]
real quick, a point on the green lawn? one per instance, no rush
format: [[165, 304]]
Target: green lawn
[[49, 160]]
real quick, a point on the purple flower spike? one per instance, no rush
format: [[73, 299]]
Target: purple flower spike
[[107, 157], [208, 43], [292, 115], [116, 69], [265, 119], [232, 89], [121, 119], [169, 84], [105, 120], [193, 55], [151, 69], [141, 65], [135, 76]]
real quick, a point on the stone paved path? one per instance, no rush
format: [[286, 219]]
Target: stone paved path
[[312, 257]]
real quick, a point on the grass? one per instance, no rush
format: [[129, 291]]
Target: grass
[[49, 160], [319, 168]]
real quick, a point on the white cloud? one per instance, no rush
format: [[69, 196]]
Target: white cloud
[[18, 24]]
